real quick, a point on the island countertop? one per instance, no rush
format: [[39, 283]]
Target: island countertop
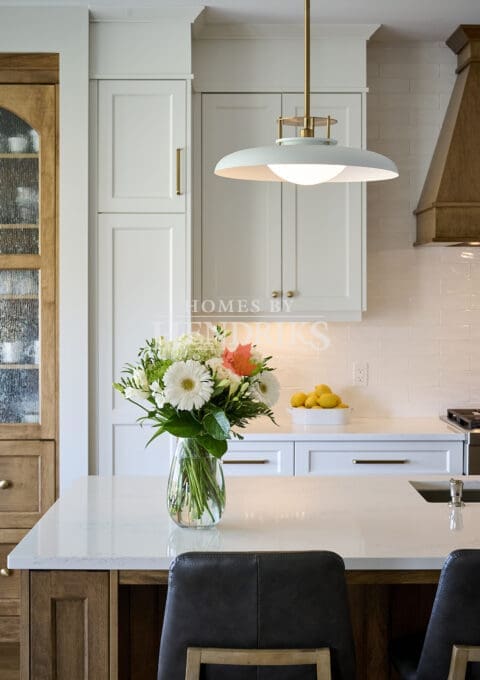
[[121, 523]]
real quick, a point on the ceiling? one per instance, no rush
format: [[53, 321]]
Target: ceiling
[[400, 19]]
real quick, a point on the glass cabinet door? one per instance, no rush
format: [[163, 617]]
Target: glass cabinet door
[[27, 259]]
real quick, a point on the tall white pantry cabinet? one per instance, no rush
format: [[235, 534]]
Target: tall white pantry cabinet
[[140, 222]]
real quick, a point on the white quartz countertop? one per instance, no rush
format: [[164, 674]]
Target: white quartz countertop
[[373, 522], [358, 429]]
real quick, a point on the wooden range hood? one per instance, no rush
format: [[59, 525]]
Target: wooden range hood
[[448, 212]]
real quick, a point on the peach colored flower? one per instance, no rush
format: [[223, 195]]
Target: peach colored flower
[[240, 360]]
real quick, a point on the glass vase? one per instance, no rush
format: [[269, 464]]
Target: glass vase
[[196, 486]]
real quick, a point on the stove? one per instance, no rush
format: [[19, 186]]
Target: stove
[[467, 420]]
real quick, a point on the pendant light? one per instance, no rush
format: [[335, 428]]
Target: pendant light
[[306, 159]]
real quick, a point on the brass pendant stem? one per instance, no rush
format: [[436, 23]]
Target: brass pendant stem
[[307, 60]]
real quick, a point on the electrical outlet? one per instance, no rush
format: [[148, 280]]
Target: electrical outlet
[[360, 374]]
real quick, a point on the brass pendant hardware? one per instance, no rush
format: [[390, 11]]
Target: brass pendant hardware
[[5, 572], [307, 123], [5, 484]]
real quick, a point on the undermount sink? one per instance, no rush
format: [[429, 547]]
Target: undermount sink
[[439, 492]]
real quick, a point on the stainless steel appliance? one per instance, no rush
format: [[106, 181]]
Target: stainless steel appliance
[[467, 421]]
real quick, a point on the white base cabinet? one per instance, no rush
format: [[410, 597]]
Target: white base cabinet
[[259, 458], [378, 458], [375, 457]]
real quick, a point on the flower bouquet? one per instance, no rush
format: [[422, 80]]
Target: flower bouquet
[[197, 389]]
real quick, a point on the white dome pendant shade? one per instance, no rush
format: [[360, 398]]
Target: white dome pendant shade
[[307, 159]]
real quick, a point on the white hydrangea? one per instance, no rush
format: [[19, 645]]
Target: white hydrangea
[[196, 347]]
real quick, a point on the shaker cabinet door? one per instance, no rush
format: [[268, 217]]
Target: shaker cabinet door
[[239, 258], [323, 237], [142, 146], [142, 293]]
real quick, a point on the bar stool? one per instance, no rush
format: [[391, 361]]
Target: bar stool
[[235, 612], [452, 639]]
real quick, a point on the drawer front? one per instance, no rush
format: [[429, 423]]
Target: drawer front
[[9, 629], [258, 458], [27, 481], [378, 458], [9, 578]]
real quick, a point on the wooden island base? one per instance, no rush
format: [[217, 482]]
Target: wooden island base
[[106, 624]]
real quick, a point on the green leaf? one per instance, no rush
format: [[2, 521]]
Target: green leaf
[[216, 447], [182, 424], [216, 423], [119, 387]]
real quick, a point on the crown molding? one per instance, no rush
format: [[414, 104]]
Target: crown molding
[[237, 31], [185, 13]]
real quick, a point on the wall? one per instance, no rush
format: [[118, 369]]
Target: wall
[[421, 333]]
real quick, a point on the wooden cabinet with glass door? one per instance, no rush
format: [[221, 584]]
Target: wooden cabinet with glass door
[[28, 395]]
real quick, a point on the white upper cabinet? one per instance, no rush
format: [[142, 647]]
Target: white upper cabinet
[[276, 250], [322, 225], [239, 244], [142, 146]]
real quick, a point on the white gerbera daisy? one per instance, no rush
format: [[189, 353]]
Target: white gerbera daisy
[[188, 385], [267, 388]]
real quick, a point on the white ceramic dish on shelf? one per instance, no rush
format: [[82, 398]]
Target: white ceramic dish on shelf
[[320, 416]]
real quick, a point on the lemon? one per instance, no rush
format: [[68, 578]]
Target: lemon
[[342, 405], [298, 399], [316, 406], [329, 400], [322, 389], [310, 402]]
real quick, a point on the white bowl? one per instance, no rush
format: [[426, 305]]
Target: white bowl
[[320, 416]]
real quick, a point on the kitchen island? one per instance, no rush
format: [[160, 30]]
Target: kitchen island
[[95, 567]]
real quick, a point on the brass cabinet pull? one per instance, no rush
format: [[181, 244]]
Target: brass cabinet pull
[[367, 461], [275, 293], [5, 572], [179, 192], [246, 462], [290, 293], [5, 483]]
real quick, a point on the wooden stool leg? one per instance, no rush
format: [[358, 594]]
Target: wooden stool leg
[[194, 659]]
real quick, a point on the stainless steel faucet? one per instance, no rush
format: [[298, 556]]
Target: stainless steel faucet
[[456, 493]]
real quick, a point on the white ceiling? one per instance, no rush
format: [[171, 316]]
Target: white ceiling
[[400, 19]]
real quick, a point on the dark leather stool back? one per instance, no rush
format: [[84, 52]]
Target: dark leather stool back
[[455, 616], [259, 601]]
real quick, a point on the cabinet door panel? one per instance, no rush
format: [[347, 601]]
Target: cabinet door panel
[[378, 458], [322, 225], [142, 293], [141, 125], [240, 225]]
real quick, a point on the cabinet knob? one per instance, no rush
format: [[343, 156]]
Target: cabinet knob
[[5, 572], [290, 293], [275, 293], [5, 483]]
